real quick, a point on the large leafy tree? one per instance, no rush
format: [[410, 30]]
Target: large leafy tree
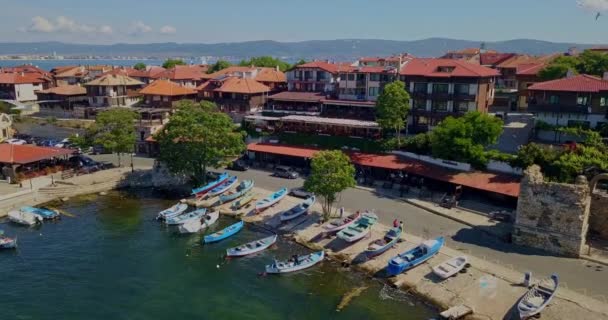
[[139, 66], [115, 131], [197, 137], [266, 61], [588, 62], [219, 65], [392, 108], [331, 173], [170, 63]]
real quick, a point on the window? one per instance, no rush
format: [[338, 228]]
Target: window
[[422, 121], [440, 87], [603, 101], [142, 135], [581, 101], [321, 75], [553, 100], [440, 106], [461, 106], [579, 124], [374, 77], [373, 91], [419, 104], [420, 87], [461, 88]]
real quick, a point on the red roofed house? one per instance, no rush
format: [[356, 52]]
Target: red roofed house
[[164, 93], [526, 75], [19, 162], [235, 96], [446, 87], [59, 101], [21, 83], [189, 76], [573, 101]]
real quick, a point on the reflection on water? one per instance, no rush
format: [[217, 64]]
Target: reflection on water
[[114, 261]]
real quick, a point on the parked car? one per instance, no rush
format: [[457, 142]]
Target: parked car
[[85, 163], [300, 193], [238, 165], [284, 172], [16, 141]]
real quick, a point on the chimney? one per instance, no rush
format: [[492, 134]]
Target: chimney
[[605, 77], [277, 68]]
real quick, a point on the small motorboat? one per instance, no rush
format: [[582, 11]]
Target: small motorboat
[[240, 191], [359, 229], [538, 297], [414, 257], [252, 247], [298, 210], [6, 242], [223, 187], [174, 211], [198, 225], [380, 246], [25, 218], [186, 217], [46, 214], [224, 233], [201, 191], [236, 205], [451, 267], [271, 200], [339, 224], [296, 263]]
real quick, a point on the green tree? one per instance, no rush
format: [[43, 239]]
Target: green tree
[[266, 61], [139, 66], [219, 65], [331, 173], [170, 63], [553, 71], [300, 62], [115, 131], [592, 62], [392, 108], [197, 137]]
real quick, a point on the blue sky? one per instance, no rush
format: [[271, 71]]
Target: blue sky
[[202, 21]]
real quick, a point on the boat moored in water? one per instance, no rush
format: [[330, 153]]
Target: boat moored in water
[[186, 217], [198, 225], [224, 233], [173, 211], [24, 218], [6, 242], [252, 247], [45, 213], [296, 263]]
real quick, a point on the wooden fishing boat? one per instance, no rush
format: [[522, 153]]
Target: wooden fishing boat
[[380, 246], [240, 191], [224, 233], [236, 205], [298, 210], [186, 217], [296, 263], [25, 218], [198, 225], [538, 297], [359, 229], [414, 257], [6, 242], [201, 191], [252, 247], [339, 224], [450, 267], [223, 187], [174, 211], [271, 200], [46, 214]]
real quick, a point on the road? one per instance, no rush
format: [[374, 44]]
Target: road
[[577, 274]]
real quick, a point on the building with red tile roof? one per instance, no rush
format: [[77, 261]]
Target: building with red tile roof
[[189, 76], [60, 101], [164, 93], [11, 154], [21, 83], [234, 95]]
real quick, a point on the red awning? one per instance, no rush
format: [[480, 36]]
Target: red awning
[[22, 154]]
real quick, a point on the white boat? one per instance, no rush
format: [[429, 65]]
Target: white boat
[[359, 229], [538, 297], [24, 217], [296, 263], [6, 242], [199, 224], [339, 224], [174, 211], [298, 210], [251, 247], [223, 187], [450, 267], [186, 217]]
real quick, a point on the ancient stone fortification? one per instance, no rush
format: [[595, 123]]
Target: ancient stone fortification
[[552, 216], [598, 217]]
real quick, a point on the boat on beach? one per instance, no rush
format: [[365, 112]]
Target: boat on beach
[[45, 213], [298, 210], [414, 257], [379, 246], [538, 297], [359, 229], [186, 217], [296, 263], [240, 191], [201, 191], [198, 225], [252, 247], [223, 187], [450, 267], [271, 200], [339, 224], [24, 218], [173, 211], [224, 233], [6, 242]]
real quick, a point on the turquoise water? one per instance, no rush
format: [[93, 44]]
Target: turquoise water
[[114, 261], [50, 64]]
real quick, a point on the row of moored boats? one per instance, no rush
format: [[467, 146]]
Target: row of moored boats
[[26, 216]]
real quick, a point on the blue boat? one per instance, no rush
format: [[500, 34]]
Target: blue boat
[[46, 214], [224, 233], [414, 257], [241, 190], [223, 187], [380, 246], [200, 191], [271, 200]]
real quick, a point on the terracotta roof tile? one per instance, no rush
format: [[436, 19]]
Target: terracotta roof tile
[[580, 83], [325, 66], [298, 96], [114, 80], [429, 67], [22, 154], [65, 90], [22, 78], [187, 72], [270, 75], [529, 69], [166, 88], [239, 85]]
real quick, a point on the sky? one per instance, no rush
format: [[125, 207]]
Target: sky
[[203, 21]]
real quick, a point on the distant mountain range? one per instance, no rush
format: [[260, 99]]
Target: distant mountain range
[[313, 49]]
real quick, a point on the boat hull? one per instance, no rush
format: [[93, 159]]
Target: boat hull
[[271, 200], [333, 229], [450, 267], [298, 210], [526, 310], [394, 267], [198, 225], [223, 187], [174, 211], [286, 267], [24, 218], [225, 233], [252, 247], [186, 217], [8, 243], [370, 253], [247, 185], [201, 191]]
